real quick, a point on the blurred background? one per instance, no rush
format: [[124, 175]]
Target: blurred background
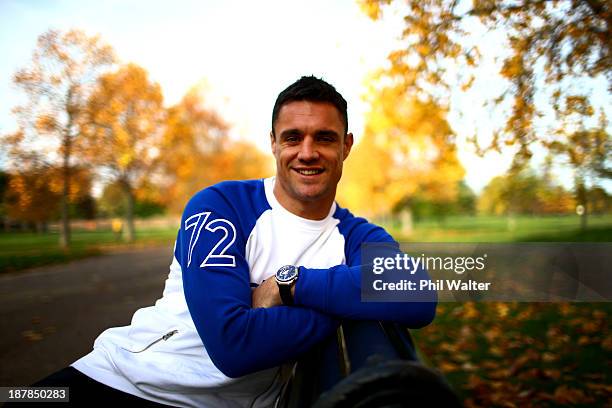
[[475, 121]]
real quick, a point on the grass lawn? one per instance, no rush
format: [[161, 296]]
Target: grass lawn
[[502, 229], [26, 250]]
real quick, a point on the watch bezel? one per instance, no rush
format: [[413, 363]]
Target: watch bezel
[[290, 279]]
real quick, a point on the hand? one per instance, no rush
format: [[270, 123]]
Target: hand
[[267, 294]]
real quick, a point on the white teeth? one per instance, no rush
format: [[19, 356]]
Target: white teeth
[[309, 172]]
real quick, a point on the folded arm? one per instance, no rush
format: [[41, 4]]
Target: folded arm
[[336, 291], [238, 338]]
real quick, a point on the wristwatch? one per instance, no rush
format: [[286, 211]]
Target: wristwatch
[[285, 279]]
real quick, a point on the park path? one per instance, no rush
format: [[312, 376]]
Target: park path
[[50, 316]]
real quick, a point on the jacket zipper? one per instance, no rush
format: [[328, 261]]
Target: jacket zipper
[[164, 338]]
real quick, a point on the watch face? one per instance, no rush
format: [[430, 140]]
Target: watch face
[[286, 273]]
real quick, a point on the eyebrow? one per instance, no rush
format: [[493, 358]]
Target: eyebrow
[[290, 132], [323, 132], [327, 132]]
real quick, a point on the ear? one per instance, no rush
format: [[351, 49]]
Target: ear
[[348, 144], [273, 143]]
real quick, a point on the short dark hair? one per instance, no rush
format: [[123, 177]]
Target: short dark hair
[[310, 88]]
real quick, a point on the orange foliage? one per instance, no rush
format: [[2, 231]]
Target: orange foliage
[[197, 152], [57, 83], [125, 115], [563, 43], [407, 146], [33, 195]]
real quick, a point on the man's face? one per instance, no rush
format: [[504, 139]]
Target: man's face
[[309, 146]]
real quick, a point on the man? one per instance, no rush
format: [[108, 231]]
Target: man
[[262, 271]]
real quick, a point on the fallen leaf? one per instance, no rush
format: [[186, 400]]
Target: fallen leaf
[[470, 311], [448, 367], [566, 395], [502, 309], [519, 363], [460, 357], [496, 351], [493, 333], [466, 331], [607, 343], [590, 327], [552, 373], [565, 309], [594, 376], [605, 389], [32, 335], [499, 374], [489, 364]]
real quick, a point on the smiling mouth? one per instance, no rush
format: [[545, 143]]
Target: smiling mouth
[[309, 172]]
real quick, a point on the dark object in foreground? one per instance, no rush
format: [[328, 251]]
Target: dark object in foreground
[[367, 365]]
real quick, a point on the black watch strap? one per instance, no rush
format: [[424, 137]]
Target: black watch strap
[[285, 294]]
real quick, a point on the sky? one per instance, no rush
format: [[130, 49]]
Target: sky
[[242, 53]]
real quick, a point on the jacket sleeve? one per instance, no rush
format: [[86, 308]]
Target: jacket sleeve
[[337, 291], [239, 339]]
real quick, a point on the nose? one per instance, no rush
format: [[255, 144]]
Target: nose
[[308, 150]]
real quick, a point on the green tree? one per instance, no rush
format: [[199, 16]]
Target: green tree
[[113, 202], [588, 153], [423, 206], [522, 191]]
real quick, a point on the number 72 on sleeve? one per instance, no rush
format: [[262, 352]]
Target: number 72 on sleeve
[[217, 255]]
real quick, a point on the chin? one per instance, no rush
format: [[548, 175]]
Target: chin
[[311, 194]]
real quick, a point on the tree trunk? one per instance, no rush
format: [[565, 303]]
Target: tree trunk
[[65, 224], [128, 231], [407, 222], [511, 222], [583, 202], [583, 220]]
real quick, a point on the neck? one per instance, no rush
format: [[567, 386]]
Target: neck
[[311, 210]]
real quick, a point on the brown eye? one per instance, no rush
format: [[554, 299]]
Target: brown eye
[[291, 139]]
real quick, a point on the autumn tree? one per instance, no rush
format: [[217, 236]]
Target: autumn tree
[[29, 197], [410, 145], [4, 180], [57, 83], [124, 124], [35, 191], [197, 151], [549, 51]]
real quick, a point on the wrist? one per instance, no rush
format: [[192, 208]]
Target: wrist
[[286, 278]]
